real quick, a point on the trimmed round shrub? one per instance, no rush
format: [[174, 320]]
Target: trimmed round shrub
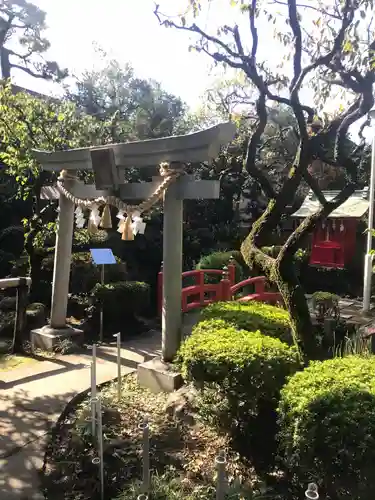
[[327, 427], [122, 302], [124, 297], [218, 260], [252, 316], [240, 375]]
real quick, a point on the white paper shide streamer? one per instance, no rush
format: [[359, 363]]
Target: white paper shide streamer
[[138, 226], [94, 215], [80, 218], [121, 223]]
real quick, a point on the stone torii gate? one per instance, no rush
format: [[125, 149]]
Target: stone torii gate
[[108, 164]]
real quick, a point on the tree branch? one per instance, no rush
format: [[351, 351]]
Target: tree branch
[[314, 186], [29, 71], [348, 15], [296, 28], [296, 239], [252, 149], [316, 9]]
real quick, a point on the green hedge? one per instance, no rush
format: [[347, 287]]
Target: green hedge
[[327, 422], [240, 374], [270, 320], [125, 298], [218, 260]]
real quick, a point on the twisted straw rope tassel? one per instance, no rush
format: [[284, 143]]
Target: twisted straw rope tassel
[[169, 176]]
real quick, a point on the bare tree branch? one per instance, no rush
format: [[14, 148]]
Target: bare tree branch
[[252, 149], [306, 6], [296, 239], [296, 28]]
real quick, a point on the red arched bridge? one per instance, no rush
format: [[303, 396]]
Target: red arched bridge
[[201, 293]]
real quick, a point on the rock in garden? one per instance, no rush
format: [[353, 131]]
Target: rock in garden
[[111, 416], [8, 304], [36, 315], [180, 405]]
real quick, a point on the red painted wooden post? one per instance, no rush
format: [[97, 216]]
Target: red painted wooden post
[[260, 286], [232, 271], [225, 293], [184, 301], [160, 290], [201, 287]]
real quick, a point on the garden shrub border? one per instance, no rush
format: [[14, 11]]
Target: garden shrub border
[[327, 427], [251, 316]]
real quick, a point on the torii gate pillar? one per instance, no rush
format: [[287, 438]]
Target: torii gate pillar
[[108, 163], [172, 270]]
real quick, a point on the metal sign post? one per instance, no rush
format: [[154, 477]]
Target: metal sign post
[[101, 257], [101, 308], [118, 342]]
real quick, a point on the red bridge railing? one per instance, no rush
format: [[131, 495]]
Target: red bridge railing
[[200, 293]]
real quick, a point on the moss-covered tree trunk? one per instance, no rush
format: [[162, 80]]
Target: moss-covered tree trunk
[[283, 274], [285, 277]]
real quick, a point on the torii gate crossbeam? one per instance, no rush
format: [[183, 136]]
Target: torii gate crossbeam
[[108, 163]]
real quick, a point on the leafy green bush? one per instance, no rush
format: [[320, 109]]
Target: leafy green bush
[[272, 251], [170, 486], [12, 240], [327, 422], [270, 320], [218, 260], [84, 274], [124, 297], [240, 374], [6, 263], [46, 238], [121, 302]]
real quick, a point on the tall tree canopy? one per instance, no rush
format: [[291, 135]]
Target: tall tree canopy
[[139, 108], [27, 123], [22, 43], [326, 46]]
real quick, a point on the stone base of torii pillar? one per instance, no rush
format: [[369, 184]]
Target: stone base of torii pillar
[[49, 339], [107, 163]]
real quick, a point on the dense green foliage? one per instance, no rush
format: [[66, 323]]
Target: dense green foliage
[[252, 316], [219, 260], [169, 487], [84, 274], [122, 299], [327, 421], [22, 41], [30, 123], [137, 108], [240, 374]]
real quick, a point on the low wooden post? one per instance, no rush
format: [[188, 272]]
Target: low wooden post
[[260, 286], [225, 286], [20, 322], [201, 287], [232, 271]]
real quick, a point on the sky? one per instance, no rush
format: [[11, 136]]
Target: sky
[[128, 31]]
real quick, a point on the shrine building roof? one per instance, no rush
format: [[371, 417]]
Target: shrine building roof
[[354, 207]]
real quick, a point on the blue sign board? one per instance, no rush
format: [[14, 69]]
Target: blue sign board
[[102, 256]]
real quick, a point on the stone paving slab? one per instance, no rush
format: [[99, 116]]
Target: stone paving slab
[[33, 397]]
